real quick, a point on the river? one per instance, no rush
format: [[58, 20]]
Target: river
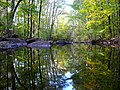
[[69, 67]]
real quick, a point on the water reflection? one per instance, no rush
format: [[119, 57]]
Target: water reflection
[[69, 82], [72, 67]]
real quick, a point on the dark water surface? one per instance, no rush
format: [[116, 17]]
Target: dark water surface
[[72, 67]]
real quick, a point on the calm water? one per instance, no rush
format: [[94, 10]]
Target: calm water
[[72, 67]]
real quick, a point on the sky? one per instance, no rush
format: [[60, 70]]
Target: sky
[[69, 2]]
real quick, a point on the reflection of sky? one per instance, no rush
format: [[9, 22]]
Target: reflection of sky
[[68, 82], [63, 85]]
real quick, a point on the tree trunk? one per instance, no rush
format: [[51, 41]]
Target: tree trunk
[[53, 20], [119, 17], [110, 29], [14, 10], [39, 19], [31, 22]]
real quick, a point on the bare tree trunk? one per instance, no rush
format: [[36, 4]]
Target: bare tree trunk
[[7, 17], [24, 26], [28, 22], [31, 22], [53, 20], [39, 20], [109, 21], [119, 17], [110, 29], [14, 10]]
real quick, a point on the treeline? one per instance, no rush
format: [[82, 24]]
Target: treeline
[[30, 18], [48, 19], [97, 18]]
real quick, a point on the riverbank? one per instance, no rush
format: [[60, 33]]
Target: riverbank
[[10, 43], [113, 42]]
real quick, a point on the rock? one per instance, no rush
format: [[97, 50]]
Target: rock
[[62, 42], [94, 42], [15, 36], [3, 39], [31, 40], [39, 44], [113, 42], [12, 44]]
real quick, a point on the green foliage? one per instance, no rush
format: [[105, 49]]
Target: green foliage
[[91, 19], [4, 4], [94, 17]]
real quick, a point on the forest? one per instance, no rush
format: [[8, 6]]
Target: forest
[[49, 20], [59, 44]]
